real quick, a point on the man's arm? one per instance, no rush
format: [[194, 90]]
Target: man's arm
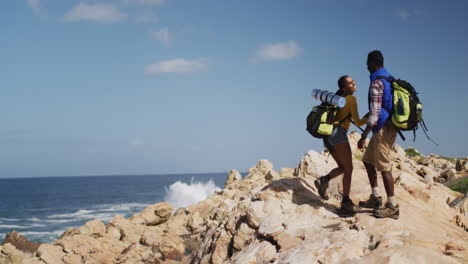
[[364, 136], [375, 104]]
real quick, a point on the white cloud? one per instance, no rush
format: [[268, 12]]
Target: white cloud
[[145, 2], [162, 35], [278, 51], [103, 13], [175, 66], [403, 14], [36, 7]]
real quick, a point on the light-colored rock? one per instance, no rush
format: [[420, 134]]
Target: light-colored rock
[[256, 253], [171, 246], [257, 175], [72, 259], [152, 236], [50, 254], [136, 253], [461, 204], [195, 222], [255, 214], [93, 227], [278, 217], [448, 174], [153, 215], [233, 177], [242, 235], [21, 243], [272, 176], [12, 255], [315, 164], [220, 251], [129, 232], [33, 261]]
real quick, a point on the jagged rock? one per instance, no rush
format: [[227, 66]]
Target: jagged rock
[[426, 161], [278, 217], [72, 259], [195, 222], [257, 175], [286, 172], [129, 232], [153, 215], [9, 254], [233, 177], [242, 235], [315, 164], [220, 251], [447, 174], [50, 254], [272, 176], [21, 242], [170, 246], [255, 214], [461, 204], [136, 253], [93, 227], [256, 253]]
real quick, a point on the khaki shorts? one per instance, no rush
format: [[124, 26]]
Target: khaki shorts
[[379, 150]]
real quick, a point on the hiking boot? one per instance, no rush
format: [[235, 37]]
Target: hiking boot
[[347, 209], [389, 211], [322, 185], [374, 202]]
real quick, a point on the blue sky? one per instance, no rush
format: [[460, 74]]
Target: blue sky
[[170, 86]]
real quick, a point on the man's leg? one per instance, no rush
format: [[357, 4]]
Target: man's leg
[[371, 174], [375, 200], [388, 183]]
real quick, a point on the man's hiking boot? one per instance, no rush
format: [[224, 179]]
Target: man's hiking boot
[[322, 185], [389, 211], [347, 209], [374, 202]]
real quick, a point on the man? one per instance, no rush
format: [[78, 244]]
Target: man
[[378, 153]]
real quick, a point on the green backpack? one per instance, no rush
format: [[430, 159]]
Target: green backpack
[[407, 108], [321, 120]]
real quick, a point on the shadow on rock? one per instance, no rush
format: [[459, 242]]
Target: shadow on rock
[[303, 192]]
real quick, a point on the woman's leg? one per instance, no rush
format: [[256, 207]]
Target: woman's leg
[[343, 156], [338, 170]]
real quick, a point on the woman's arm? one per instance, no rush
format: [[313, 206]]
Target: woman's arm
[[354, 113]]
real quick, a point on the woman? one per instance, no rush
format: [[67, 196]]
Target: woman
[[338, 145]]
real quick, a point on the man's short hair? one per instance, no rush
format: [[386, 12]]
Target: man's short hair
[[375, 57]]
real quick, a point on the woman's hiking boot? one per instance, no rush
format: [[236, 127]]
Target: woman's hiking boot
[[347, 209], [322, 184], [374, 202], [389, 211]]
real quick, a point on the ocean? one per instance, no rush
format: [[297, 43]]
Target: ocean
[[42, 208]]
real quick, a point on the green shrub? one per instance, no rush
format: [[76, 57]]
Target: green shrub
[[358, 157], [460, 185], [412, 152]]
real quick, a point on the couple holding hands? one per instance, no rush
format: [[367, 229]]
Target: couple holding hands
[[377, 156]]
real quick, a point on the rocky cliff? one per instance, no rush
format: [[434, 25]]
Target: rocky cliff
[[277, 217]]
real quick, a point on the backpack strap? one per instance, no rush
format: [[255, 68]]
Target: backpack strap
[[381, 77], [349, 117]]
